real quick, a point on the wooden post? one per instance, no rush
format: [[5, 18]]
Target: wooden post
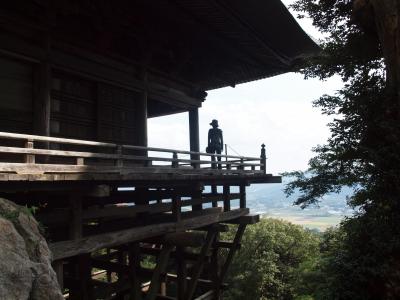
[[197, 194], [82, 262], [231, 253], [85, 277], [181, 272], [42, 86], [175, 163], [109, 278], [176, 206], [141, 196], [76, 217], [29, 158], [119, 162], [198, 267], [242, 191], [213, 162], [162, 262], [80, 161], [134, 267], [141, 116], [215, 268], [214, 192], [263, 159], [121, 260], [194, 134], [227, 201], [163, 284], [41, 102]]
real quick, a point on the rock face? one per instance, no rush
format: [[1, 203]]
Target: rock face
[[25, 258]]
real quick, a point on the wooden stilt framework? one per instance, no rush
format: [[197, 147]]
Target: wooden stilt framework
[[132, 228], [144, 243], [185, 265]]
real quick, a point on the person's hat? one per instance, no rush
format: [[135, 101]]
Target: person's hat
[[214, 123]]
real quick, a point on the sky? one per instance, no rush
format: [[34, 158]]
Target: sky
[[276, 111]]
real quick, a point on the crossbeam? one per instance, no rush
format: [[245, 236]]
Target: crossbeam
[[90, 244]]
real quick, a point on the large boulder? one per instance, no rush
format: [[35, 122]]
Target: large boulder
[[25, 258]]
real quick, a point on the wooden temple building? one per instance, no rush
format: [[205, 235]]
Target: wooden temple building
[[79, 80]]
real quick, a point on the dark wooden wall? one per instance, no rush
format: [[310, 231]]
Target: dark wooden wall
[[80, 108], [16, 90], [47, 89]]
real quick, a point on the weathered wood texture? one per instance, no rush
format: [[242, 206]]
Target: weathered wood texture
[[92, 243], [110, 161]]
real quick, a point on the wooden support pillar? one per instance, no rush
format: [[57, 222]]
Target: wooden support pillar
[[142, 120], [215, 268], [214, 191], [76, 225], [162, 262], [198, 267], [134, 267], [181, 272], [82, 288], [197, 194], [194, 134], [85, 277], [121, 258], [176, 206], [141, 117], [42, 98], [42, 85], [232, 251], [242, 191], [141, 196], [227, 200], [163, 285], [108, 272]]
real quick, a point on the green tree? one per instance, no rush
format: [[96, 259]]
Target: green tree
[[271, 264], [362, 46]]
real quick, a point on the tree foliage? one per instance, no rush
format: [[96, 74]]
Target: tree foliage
[[274, 258], [362, 45]]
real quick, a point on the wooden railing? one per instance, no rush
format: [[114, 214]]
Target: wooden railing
[[32, 154]]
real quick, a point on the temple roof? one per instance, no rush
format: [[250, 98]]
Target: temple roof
[[245, 41], [206, 43]]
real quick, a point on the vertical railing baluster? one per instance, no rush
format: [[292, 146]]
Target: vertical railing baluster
[[120, 161], [175, 160], [241, 167], [29, 158], [213, 162], [263, 159], [196, 165]]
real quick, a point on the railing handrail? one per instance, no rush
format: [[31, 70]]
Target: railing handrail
[[83, 154], [38, 138]]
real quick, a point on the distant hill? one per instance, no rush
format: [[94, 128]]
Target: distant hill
[[270, 200]]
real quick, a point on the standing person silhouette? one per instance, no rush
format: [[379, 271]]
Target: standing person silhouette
[[215, 141]]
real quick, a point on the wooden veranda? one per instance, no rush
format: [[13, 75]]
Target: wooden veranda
[[107, 208]]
